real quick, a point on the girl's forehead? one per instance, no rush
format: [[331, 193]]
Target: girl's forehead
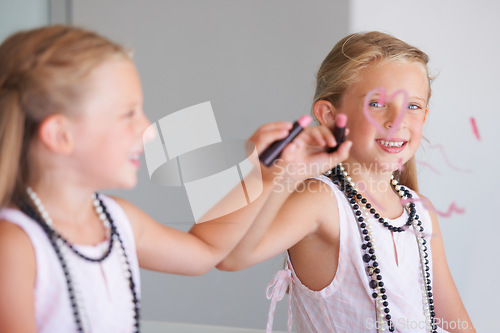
[[393, 75], [387, 68], [114, 81], [119, 67]]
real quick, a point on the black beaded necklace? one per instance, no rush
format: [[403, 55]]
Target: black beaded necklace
[[57, 241], [340, 177]]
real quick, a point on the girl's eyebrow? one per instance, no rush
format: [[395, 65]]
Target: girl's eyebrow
[[418, 97], [377, 94], [373, 95]]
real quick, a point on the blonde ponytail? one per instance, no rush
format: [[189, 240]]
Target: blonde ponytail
[[11, 138]]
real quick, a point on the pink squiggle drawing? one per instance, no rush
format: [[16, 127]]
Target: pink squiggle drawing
[[453, 208], [428, 165], [441, 148], [474, 128], [383, 98]]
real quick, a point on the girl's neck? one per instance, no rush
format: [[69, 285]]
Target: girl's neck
[[375, 185], [65, 195], [369, 177], [72, 212], [65, 202]]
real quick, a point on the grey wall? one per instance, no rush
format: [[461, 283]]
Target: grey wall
[[22, 14], [255, 61]]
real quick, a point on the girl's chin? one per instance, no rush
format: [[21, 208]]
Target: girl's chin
[[130, 185], [127, 184], [393, 166], [386, 167]]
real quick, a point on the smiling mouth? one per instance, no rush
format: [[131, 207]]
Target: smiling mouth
[[392, 146], [134, 158]]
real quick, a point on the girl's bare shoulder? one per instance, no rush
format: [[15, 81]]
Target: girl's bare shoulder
[[322, 200], [14, 241], [17, 279], [317, 189]]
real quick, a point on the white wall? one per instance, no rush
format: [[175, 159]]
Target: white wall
[[462, 40]]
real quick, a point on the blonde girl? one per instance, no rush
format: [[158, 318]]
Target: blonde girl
[[364, 252], [71, 124]]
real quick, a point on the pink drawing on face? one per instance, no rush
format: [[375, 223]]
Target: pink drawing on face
[[441, 148], [429, 166], [382, 100], [474, 128]]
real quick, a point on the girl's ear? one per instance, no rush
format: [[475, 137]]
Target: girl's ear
[[54, 133], [426, 112], [325, 112]]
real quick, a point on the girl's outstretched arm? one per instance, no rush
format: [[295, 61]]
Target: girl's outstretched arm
[[450, 310], [286, 219], [169, 250], [307, 212]]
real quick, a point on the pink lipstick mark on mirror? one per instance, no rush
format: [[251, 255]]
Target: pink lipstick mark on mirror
[[443, 153], [453, 208], [428, 165], [474, 128]]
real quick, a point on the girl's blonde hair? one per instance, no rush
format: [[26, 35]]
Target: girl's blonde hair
[[349, 56], [42, 71]]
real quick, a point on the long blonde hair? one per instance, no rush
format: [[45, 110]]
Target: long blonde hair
[[42, 71], [344, 63]]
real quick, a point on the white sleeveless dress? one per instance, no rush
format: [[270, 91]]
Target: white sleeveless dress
[[346, 305], [105, 292]]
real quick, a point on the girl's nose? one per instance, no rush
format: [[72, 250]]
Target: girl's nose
[[143, 128], [394, 111], [147, 123]]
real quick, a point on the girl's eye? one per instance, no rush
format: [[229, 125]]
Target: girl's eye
[[376, 104], [413, 106], [130, 114]]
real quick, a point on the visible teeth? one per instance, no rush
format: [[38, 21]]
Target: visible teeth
[[133, 156], [391, 143]]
